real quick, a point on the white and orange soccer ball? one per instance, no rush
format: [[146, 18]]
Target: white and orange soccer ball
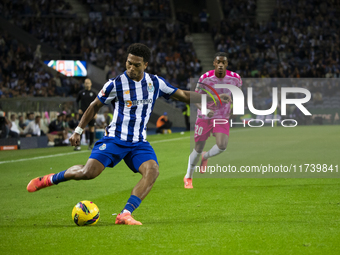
[[85, 213]]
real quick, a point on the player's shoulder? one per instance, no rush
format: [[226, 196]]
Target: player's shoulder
[[112, 82], [113, 79], [208, 74], [146, 75], [154, 76], [161, 80], [232, 74]]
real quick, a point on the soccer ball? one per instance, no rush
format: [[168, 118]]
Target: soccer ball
[[85, 213]]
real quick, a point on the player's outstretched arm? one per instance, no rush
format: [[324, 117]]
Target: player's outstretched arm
[[194, 97], [90, 112], [187, 96]]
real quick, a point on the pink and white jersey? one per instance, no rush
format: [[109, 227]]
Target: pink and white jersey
[[209, 78]]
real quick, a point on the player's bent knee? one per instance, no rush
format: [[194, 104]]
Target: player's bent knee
[[199, 150], [222, 147], [153, 171], [150, 171], [199, 146], [156, 171]]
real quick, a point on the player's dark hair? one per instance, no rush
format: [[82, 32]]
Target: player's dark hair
[[140, 50], [221, 54]]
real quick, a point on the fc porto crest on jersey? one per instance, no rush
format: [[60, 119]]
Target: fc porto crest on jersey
[[103, 147], [151, 88]]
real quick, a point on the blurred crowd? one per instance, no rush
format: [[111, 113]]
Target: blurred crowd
[[173, 55], [58, 127], [23, 75], [104, 41], [132, 9], [300, 40]]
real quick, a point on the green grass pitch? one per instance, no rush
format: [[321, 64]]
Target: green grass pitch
[[219, 216]]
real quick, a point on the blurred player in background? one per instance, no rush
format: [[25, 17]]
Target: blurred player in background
[[163, 124], [58, 128], [134, 94], [204, 125], [85, 97], [33, 128], [74, 121], [14, 131], [186, 114]]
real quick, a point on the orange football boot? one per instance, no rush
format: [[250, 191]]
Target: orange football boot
[[188, 183], [126, 218], [39, 183]]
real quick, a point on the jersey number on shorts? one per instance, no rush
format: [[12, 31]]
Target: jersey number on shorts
[[198, 130]]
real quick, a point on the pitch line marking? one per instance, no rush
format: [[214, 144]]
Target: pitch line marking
[[70, 153], [41, 157]]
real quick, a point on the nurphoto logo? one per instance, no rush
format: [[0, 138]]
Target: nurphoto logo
[[238, 104]]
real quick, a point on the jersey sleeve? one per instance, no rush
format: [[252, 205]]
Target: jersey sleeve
[[199, 85], [165, 89], [239, 80], [108, 92]]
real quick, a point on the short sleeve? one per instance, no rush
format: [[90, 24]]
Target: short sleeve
[[165, 89], [199, 85], [108, 92], [239, 84]]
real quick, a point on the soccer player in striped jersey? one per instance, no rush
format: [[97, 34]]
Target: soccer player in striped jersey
[[204, 125], [133, 95]]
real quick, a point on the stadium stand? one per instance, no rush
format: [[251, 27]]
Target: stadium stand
[[107, 38], [297, 42], [131, 9], [301, 40], [22, 73]]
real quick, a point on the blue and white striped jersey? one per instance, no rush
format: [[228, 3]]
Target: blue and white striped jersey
[[133, 103]]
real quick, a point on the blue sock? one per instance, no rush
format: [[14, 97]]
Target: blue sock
[[132, 204], [59, 177]]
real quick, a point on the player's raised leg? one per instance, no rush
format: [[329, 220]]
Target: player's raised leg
[[218, 148], [149, 172], [92, 169]]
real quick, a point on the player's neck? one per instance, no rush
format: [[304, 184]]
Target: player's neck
[[220, 75], [137, 79]]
